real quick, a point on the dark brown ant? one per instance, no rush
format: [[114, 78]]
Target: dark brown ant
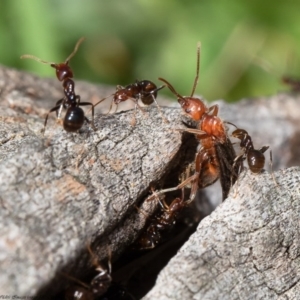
[[98, 286], [215, 155], [144, 90], [255, 158], [152, 236], [74, 117], [292, 82]]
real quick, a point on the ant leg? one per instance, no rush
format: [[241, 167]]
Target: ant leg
[[141, 211], [178, 187], [239, 158], [89, 103], [60, 103], [76, 280], [133, 121], [115, 108], [200, 156], [162, 115], [137, 105], [46, 119], [200, 133], [271, 166]]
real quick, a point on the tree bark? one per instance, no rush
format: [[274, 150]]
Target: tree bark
[[62, 190], [248, 248]]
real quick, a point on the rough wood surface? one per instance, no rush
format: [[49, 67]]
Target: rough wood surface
[[248, 248], [61, 190]]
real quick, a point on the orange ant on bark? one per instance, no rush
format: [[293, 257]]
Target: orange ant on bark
[[215, 155], [74, 117], [98, 286], [255, 157], [144, 90]]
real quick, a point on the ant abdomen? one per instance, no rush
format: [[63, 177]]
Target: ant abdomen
[[255, 157], [256, 160], [74, 119], [149, 91]]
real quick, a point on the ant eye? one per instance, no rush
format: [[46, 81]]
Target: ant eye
[[188, 110]]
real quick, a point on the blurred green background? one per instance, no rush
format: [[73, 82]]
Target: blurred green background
[[246, 45]]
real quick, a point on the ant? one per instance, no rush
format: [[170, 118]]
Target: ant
[[144, 90], [215, 154], [98, 286], [255, 158], [74, 117], [152, 235]]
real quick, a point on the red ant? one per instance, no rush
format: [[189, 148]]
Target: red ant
[[74, 117], [98, 286], [151, 237], [255, 158], [215, 155], [144, 90]]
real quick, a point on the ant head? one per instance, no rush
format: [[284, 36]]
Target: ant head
[[239, 133], [121, 94], [63, 71], [192, 106]]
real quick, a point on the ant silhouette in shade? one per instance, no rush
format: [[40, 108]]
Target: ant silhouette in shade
[[215, 155], [144, 90], [74, 117], [255, 157], [162, 222], [98, 286]]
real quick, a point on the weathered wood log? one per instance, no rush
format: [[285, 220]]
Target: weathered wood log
[[61, 190], [248, 248]]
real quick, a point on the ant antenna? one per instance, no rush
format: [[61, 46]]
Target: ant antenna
[[101, 100], [170, 87], [92, 254], [36, 59], [198, 69], [75, 49], [95, 261], [51, 63]]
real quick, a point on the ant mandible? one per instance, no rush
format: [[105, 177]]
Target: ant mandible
[[74, 117], [215, 155], [255, 157], [144, 90], [98, 286]]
